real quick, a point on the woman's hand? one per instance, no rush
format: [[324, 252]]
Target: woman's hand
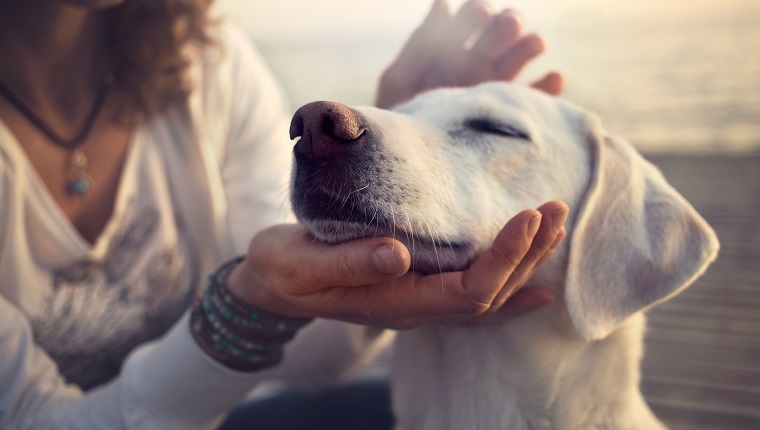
[[436, 56], [368, 280]]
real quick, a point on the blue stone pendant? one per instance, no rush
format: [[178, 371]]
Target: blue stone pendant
[[82, 184]]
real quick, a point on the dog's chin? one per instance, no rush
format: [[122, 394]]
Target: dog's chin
[[428, 255]]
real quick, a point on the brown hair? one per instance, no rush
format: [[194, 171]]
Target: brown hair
[[148, 40]]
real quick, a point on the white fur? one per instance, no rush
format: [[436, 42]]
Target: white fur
[[632, 242]]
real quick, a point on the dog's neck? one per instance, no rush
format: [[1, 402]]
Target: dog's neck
[[532, 372], [562, 381]]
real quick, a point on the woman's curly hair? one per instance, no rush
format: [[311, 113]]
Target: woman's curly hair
[[148, 41]]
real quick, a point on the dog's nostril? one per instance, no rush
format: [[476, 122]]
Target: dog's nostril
[[296, 126], [326, 127], [341, 127]]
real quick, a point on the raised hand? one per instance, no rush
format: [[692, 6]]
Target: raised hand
[[473, 45]]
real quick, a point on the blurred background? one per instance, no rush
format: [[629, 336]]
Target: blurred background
[[671, 75], [679, 78]]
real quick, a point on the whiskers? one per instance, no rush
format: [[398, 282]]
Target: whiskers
[[365, 211], [409, 224], [436, 241]]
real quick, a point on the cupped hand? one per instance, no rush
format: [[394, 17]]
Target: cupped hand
[[441, 53], [368, 281]]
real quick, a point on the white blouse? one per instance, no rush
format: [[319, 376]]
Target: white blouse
[[198, 183]]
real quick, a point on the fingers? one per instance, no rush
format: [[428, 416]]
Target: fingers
[[289, 273], [436, 56], [524, 50], [552, 221], [493, 268], [549, 235], [416, 299], [498, 37], [417, 54], [452, 66], [481, 291], [553, 83], [472, 16], [367, 280], [496, 273], [560, 237], [521, 245], [400, 80], [408, 301]]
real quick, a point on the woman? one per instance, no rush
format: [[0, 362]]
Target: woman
[[141, 148]]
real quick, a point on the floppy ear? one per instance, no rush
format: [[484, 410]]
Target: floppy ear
[[636, 241]]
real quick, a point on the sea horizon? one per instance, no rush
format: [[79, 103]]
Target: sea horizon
[[668, 80]]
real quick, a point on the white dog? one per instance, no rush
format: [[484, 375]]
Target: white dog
[[442, 173]]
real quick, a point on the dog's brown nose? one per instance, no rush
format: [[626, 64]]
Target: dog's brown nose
[[324, 128]]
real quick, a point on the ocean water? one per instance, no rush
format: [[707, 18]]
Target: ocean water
[[683, 77]]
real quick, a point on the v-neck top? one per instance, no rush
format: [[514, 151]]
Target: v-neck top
[[199, 181], [107, 298]]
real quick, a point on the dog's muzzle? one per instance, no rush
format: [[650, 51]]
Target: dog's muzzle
[[347, 184], [333, 156]]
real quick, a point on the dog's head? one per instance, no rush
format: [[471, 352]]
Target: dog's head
[[443, 172]]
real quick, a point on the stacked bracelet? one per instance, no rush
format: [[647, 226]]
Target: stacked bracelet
[[236, 334]]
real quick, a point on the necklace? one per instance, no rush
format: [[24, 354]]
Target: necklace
[[82, 183]]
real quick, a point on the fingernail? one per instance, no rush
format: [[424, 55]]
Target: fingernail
[[558, 218], [558, 239], [387, 260], [535, 222]]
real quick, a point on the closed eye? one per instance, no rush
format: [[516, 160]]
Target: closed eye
[[483, 125]]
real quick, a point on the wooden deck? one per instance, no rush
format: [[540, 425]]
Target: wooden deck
[[702, 363]]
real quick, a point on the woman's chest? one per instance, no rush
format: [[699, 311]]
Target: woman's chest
[[90, 304]]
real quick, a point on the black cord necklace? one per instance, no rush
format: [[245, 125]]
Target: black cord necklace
[[82, 183]]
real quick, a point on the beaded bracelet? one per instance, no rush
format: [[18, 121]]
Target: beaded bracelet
[[235, 333]]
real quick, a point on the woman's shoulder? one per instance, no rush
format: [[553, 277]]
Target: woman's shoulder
[[234, 64], [233, 85]]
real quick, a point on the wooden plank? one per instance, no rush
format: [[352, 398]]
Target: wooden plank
[[680, 415], [702, 364], [702, 322], [662, 368]]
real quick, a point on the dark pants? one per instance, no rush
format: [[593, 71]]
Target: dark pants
[[360, 405]]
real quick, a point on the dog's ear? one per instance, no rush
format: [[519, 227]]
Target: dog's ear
[[636, 241]]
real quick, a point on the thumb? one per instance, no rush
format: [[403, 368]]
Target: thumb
[[417, 54], [358, 262]]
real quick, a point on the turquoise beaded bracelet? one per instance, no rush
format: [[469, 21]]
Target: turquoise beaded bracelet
[[235, 333]]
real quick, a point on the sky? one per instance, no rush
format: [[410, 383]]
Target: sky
[[661, 72], [298, 18], [313, 18]]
